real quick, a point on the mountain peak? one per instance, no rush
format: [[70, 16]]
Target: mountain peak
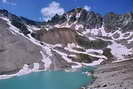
[[79, 32], [77, 10]]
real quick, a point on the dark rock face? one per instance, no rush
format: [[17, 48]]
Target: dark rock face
[[110, 21], [31, 22], [3, 12], [115, 22], [94, 44], [84, 58], [90, 20], [20, 25], [15, 20], [16, 50], [107, 53], [87, 19], [57, 20], [57, 36], [19, 22]]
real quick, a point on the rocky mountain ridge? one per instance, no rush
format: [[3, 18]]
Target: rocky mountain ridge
[[71, 40]]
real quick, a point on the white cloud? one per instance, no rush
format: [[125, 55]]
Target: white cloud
[[88, 8], [4, 1], [52, 9], [10, 2]]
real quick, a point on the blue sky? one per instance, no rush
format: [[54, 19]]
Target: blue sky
[[38, 9]]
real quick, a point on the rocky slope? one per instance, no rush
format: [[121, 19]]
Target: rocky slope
[[15, 50], [113, 76], [71, 40]]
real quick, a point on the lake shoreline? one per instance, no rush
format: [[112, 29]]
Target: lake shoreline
[[26, 71], [73, 80]]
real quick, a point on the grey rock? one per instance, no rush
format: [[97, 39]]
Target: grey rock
[[114, 22], [16, 50], [113, 76]]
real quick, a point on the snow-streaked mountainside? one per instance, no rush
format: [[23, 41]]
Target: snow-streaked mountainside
[[72, 40]]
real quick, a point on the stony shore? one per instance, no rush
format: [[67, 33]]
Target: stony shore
[[113, 76]]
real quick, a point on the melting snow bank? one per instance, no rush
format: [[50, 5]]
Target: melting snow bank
[[46, 60], [119, 51], [25, 70]]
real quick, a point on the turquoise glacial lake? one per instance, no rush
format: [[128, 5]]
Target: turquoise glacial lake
[[47, 80]]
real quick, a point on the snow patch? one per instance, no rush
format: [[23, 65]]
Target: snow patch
[[90, 54], [36, 66], [94, 50], [119, 50], [46, 58], [79, 26]]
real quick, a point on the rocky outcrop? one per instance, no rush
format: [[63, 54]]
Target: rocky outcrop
[[123, 22], [94, 44], [92, 20], [80, 16], [56, 36], [19, 22]]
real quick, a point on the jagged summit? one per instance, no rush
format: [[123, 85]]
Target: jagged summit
[[115, 21], [3, 12], [89, 19], [92, 20]]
